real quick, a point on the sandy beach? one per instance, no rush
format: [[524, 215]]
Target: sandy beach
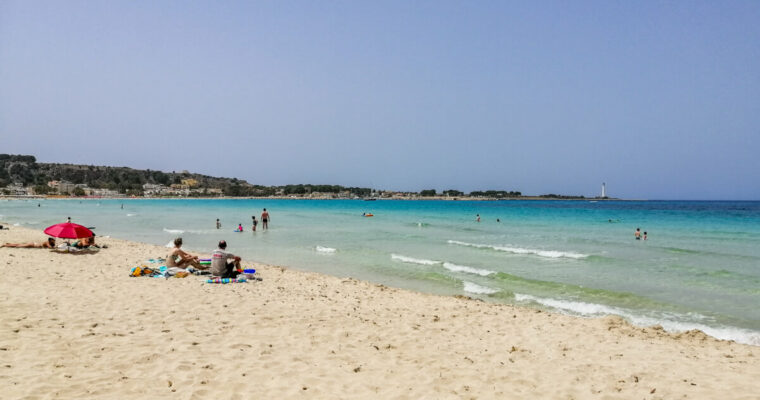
[[77, 326]]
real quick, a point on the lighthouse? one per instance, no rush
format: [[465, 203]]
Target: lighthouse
[[604, 190]]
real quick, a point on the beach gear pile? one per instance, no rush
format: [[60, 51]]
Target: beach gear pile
[[159, 272], [162, 271]]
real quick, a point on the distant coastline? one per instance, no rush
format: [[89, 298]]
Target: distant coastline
[[410, 198], [21, 176]]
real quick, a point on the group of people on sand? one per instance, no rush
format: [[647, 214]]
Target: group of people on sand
[[84, 243], [220, 260], [264, 222]]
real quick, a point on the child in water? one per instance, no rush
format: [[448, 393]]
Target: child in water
[[240, 228], [645, 235]]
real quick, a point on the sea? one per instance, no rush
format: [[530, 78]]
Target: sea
[[698, 269]]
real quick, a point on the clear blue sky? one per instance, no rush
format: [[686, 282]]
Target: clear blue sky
[[658, 99]]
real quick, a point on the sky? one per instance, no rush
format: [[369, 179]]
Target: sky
[[660, 100]]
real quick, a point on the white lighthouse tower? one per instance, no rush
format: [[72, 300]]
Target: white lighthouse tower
[[604, 190]]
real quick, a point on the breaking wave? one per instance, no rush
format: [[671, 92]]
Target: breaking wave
[[520, 250], [326, 250], [676, 322], [470, 270], [474, 288], [410, 260]]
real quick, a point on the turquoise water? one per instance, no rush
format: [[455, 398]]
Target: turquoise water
[[699, 268]]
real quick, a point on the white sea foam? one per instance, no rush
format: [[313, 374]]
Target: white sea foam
[[474, 288], [177, 231], [411, 260], [470, 270], [520, 250], [201, 231], [131, 215], [671, 322], [325, 250], [16, 224]]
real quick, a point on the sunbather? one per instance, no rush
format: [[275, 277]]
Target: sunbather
[[180, 259], [50, 244], [86, 243]]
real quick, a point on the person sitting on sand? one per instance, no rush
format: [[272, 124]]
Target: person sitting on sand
[[219, 265], [50, 244], [85, 243], [180, 259]]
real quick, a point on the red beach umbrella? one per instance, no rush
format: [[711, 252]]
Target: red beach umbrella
[[67, 230]]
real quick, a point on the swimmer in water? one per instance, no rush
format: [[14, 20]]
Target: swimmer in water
[[265, 219], [637, 234]]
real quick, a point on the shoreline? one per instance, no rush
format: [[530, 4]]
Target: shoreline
[[92, 331], [436, 198]]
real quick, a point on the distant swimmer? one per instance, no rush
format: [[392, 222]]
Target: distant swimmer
[[254, 222], [477, 217], [645, 235], [637, 234], [218, 224], [265, 220], [498, 220]]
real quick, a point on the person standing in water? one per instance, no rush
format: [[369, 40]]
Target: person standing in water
[[637, 234], [645, 235], [254, 222], [477, 217], [218, 224], [265, 220]]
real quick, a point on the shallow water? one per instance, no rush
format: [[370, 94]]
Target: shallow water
[[699, 268]]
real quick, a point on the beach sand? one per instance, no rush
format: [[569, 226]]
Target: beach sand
[[77, 326]]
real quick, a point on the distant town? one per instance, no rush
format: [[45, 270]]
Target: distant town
[[23, 176]]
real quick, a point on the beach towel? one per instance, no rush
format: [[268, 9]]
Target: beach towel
[[226, 280]]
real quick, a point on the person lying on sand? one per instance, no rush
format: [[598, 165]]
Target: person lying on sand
[[180, 259], [50, 244]]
